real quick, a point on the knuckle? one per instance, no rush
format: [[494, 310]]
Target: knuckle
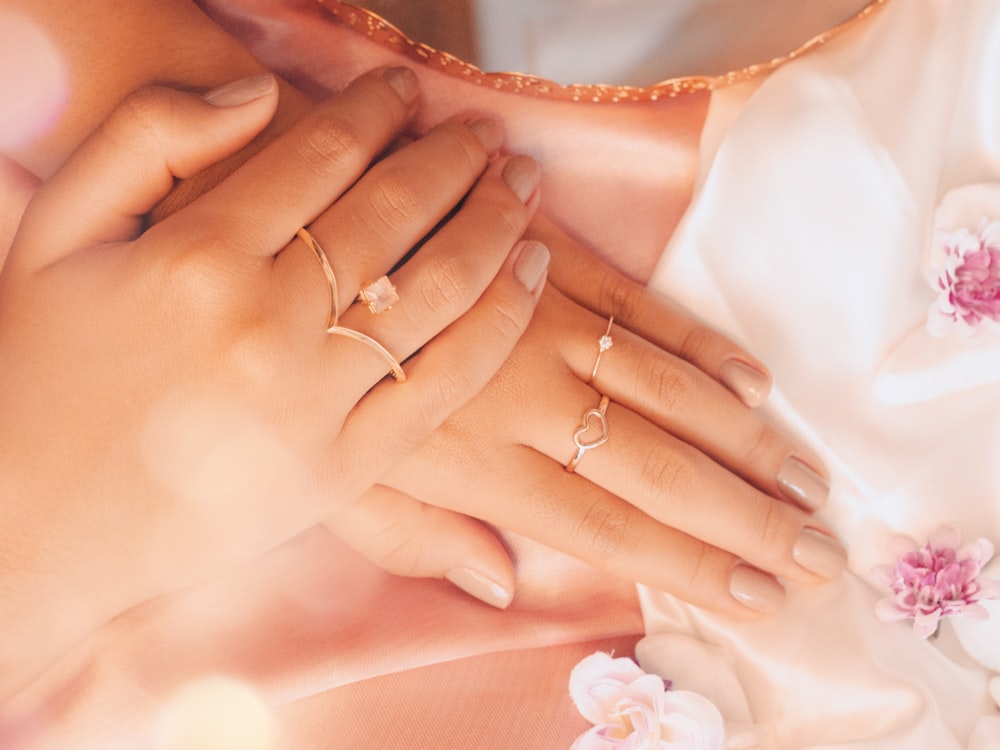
[[698, 572], [393, 202], [508, 321], [670, 385], [445, 284], [500, 219], [329, 142], [618, 295], [252, 362], [138, 118], [465, 146], [666, 472], [697, 344], [772, 528], [764, 444], [449, 388], [604, 528]]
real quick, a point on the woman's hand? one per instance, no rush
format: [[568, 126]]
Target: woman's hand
[[693, 493], [172, 401]]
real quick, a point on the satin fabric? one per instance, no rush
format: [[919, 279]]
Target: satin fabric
[[807, 239]]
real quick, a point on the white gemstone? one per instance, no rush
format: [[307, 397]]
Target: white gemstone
[[380, 295]]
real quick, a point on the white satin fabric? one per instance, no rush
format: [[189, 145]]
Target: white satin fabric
[[806, 240]]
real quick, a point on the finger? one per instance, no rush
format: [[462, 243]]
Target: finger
[[411, 539], [587, 280], [448, 274], [683, 488], [390, 210], [120, 172], [392, 420], [594, 526], [293, 179], [17, 186], [681, 399]]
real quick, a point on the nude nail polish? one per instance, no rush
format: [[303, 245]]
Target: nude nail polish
[[803, 486], [481, 587], [756, 590], [488, 131], [241, 92], [749, 384], [819, 553], [521, 175], [531, 265], [404, 82]]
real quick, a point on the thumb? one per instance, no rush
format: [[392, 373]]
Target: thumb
[[131, 161], [409, 538]]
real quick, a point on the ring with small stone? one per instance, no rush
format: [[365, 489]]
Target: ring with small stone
[[603, 344], [380, 295]]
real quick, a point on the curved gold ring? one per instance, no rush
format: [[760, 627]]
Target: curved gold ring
[[582, 445], [395, 369], [331, 277], [603, 344]]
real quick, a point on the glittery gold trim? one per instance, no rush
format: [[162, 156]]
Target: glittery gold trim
[[379, 30]]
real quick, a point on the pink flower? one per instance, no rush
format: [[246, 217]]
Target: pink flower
[[936, 580], [632, 710], [965, 263]]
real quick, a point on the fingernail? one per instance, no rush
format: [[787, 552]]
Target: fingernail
[[749, 384], [241, 92], [404, 82], [756, 590], [800, 484], [531, 264], [819, 553], [521, 175], [481, 587], [488, 131]]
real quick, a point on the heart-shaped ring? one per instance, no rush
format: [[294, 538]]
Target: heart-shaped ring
[[589, 417]]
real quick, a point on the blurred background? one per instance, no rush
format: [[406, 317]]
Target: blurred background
[[637, 42]]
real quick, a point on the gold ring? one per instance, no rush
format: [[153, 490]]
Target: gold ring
[[395, 369], [582, 445], [603, 344], [331, 278], [380, 295]]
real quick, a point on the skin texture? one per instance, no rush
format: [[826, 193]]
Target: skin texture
[[219, 419], [682, 513]]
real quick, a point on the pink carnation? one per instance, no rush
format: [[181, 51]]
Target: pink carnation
[[936, 580], [965, 262], [632, 710]]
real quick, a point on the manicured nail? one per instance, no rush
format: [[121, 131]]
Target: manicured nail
[[756, 590], [531, 264], [488, 131], [803, 486], [404, 82], [521, 175], [749, 384], [819, 553], [482, 587], [241, 92]]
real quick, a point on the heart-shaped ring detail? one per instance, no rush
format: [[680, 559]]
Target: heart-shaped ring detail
[[593, 419], [585, 427]]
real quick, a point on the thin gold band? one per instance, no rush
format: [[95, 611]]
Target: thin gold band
[[331, 277], [395, 369]]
